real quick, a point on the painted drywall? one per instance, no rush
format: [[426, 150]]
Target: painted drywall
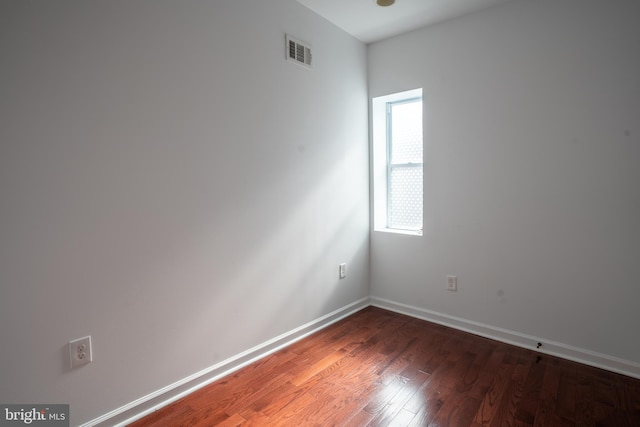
[[171, 186], [532, 177]]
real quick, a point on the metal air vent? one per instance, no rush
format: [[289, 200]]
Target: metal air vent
[[298, 52]]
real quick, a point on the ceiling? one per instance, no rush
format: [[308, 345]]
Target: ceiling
[[367, 21]]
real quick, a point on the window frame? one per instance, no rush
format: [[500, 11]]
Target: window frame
[[381, 160]]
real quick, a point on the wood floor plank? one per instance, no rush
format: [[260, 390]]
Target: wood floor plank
[[317, 367], [548, 394], [404, 418], [457, 410], [233, 421], [508, 405], [240, 404], [378, 368], [530, 399], [566, 398], [490, 405], [585, 416]]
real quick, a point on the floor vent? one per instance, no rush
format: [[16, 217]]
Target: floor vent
[[298, 52]]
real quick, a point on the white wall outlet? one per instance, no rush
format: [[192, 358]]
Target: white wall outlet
[[342, 270], [80, 352], [452, 283]]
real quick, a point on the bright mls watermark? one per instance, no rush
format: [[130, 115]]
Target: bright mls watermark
[[36, 415]]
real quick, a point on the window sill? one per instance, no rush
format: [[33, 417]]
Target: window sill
[[398, 231]]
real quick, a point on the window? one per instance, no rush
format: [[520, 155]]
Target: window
[[398, 162]]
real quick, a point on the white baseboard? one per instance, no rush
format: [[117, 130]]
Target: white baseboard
[[160, 398], [552, 348]]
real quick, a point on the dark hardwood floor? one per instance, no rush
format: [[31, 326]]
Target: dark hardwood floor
[[378, 368]]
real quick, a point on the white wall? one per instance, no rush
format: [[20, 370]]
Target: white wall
[[532, 172], [171, 186]]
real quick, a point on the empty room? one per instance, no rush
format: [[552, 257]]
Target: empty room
[[320, 212]]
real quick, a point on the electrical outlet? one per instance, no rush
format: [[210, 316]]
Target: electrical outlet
[[342, 270], [80, 352], [452, 283]]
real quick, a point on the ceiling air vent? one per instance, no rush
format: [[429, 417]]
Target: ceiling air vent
[[298, 52]]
